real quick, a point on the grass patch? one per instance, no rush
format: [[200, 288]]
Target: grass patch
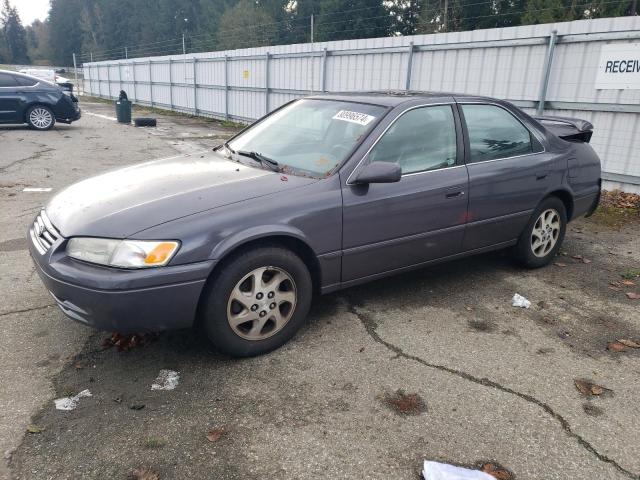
[[631, 274], [153, 442], [614, 217], [616, 209], [232, 124]]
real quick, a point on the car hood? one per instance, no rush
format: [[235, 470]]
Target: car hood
[[120, 203]]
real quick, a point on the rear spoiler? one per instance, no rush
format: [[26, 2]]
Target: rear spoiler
[[570, 129]]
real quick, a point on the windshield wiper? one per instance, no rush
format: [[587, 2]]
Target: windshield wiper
[[258, 157]]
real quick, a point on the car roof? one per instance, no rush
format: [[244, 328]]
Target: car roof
[[395, 98]]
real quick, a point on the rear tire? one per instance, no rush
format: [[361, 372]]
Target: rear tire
[[542, 237], [41, 118], [257, 302]]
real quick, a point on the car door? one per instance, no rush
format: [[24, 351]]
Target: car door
[[509, 173], [10, 99], [390, 226]]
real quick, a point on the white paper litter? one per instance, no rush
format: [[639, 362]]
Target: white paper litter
[[70, 403], [443, 471], [519, 301], [166, 380], [36, 189]]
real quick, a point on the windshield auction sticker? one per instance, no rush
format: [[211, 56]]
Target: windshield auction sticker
[[353, 117]]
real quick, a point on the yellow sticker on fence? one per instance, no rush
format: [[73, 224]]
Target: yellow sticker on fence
[[245, 74]]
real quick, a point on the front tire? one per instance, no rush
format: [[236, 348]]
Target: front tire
[[257, 302], [543, 235], [40, 117]]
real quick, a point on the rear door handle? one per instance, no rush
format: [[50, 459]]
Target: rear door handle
[[541, 175], [459, 193]]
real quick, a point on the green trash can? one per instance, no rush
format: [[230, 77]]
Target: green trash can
[[123, 111]]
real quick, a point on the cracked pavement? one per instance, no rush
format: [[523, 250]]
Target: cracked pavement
[[497, 381]]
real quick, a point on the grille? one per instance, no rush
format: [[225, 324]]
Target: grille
[[43, 233]]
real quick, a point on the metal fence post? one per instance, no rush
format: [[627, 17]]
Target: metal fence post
[[133, 77], [109, 80], [266, 83], [409, 67], [99, 81], [226, 88], [546, 72], [170, 84], [150, 84], [323, 76], [120, 75], [195, 87]]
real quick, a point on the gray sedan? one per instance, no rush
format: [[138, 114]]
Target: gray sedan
[[324, 193]]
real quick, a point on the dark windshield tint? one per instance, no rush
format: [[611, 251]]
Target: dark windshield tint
[[310, 136]]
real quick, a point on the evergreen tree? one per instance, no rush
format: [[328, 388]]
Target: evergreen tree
[[15, 35], [348, 19], [245, 25]]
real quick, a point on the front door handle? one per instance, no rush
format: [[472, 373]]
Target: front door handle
[[459, 193], [541, 175]]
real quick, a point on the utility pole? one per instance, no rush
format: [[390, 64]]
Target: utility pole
[[634, 7], [312, 57], [126, 52], [75, 71], [446, 12], [91, 54], [184, 48]]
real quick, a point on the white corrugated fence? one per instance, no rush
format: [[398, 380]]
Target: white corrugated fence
[[550, 68]]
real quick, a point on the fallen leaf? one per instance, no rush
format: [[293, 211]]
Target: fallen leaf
[[35, 429], [137, 407], [628, 283], [577, 257], [215, 434], [469, 309], [143, 473], [560, 264], [629, 343], [586, 261], [79, 366], [616, 347], [633, 295], [405, 403], [496, 471], [361, 349], [587, 388]]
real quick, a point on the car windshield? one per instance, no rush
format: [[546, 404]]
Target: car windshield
[[309, 136]]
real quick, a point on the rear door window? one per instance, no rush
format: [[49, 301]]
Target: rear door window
[[495, 133], [26, 81], [8, 80]]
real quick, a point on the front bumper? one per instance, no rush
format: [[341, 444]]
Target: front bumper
[[125, 301]]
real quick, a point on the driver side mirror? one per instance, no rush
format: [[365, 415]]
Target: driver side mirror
[[379, 172]]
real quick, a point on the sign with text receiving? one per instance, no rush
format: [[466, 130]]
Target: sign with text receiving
[[619, 67]]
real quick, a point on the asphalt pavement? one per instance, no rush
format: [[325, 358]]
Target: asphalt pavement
[[435, 364]]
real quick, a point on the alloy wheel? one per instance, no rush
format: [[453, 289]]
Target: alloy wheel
[[40, 118], [545, 233], [261, 303]]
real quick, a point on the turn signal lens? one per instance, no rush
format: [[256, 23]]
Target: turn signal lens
[[161, 253]]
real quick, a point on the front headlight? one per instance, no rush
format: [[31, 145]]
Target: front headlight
[[122, 253]]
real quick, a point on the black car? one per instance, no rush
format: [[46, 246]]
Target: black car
[[30, 100]]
